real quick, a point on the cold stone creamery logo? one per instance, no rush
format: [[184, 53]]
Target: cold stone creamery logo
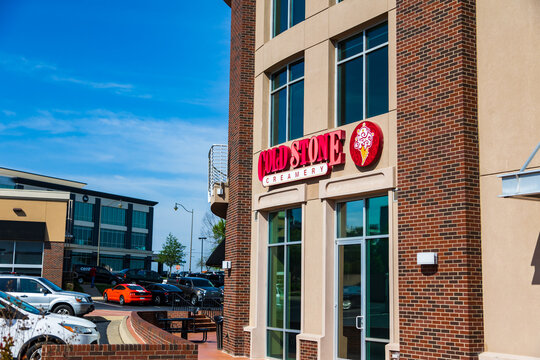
[[317, 154], [366, 143]]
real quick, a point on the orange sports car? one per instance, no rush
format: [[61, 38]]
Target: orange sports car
[[127, 293]]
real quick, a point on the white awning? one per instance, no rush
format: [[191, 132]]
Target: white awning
[[522, 184]]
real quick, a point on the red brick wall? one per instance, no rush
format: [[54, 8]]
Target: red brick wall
[[145, 325], [308, 350], [238, 230], [53, 261], [118, 352], [440, 307]]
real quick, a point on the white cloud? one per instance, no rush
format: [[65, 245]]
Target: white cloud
[[9, 113], [49, 72]]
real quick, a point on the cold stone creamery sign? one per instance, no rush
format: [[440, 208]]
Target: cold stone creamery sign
[[315, 156], [308, 158]]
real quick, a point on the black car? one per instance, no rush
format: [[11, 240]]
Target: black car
[[164, 293], [139, 276], [217, 278], [82, 274], [197, 290]]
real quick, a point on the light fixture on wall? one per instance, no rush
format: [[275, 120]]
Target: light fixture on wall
[[19, 212]]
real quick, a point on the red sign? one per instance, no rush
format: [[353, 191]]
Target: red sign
[[326, 149], [366, 143]]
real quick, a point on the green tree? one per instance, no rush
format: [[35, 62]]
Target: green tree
[[172, 252], [213, 229]]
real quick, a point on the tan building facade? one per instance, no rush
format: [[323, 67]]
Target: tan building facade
[[336, 255], [33, 231]]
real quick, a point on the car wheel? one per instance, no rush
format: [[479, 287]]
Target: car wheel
[[193, 300], [80, 280], [63, 310], [157, 300], [34, 352], [122, 301], [105, 297]]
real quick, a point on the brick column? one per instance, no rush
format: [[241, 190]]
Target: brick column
[[309, 350], [440, 307], [53, 261], [238, 229]]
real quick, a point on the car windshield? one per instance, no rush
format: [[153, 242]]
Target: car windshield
[[19, 303], [202, 282], [135, 287], [50, 284], [169, 287]]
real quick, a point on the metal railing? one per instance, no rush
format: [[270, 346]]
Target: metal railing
[[207, 307], [217, 166]]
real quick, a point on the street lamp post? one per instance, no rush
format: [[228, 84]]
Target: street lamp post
[[202, 238], [191, 239]]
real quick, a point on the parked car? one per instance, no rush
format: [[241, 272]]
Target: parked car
[[164, 293], [31, 328], [198, 289], [139, 276], [127, 293], [44, 294], [82, 274]]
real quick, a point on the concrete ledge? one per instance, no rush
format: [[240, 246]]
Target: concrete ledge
[[376, 180], [280, 197]]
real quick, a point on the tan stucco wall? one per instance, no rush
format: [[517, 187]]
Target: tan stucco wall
[[509, 129], [53, 213], [314, 40]]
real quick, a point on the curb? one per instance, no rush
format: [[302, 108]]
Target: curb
[[125, 335]]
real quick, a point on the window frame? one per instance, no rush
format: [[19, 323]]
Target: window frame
[[289, 17], [285, 86], [285, 244], [363, 54], [13, 266]]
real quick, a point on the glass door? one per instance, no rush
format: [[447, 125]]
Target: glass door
[[362, 282], [350, 336]]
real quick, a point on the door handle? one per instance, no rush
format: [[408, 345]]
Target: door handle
[[360, 322], [24, 296]]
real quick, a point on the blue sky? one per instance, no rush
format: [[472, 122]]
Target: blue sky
[[127, 96]]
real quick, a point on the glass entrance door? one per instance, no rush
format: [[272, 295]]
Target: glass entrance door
[[350, 315], [362, 282]]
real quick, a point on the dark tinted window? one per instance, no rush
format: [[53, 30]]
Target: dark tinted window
[[119, 287], [7, 284], [30, 286], [202, 282]]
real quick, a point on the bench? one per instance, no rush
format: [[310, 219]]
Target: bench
[[185, 329]]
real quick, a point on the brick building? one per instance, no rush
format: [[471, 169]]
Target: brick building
[[369, 145]]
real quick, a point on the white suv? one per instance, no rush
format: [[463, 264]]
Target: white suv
[[44, 294], [31, 328]]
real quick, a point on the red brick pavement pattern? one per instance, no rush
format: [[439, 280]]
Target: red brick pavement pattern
[[238, 232], [53, 261], [308, 350], [440, 307]]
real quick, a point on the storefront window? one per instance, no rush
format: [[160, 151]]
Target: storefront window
[[112, 262], [22, 257], [284, 282], [81, 258]]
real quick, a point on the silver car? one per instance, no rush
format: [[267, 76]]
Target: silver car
[[45, 295]]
